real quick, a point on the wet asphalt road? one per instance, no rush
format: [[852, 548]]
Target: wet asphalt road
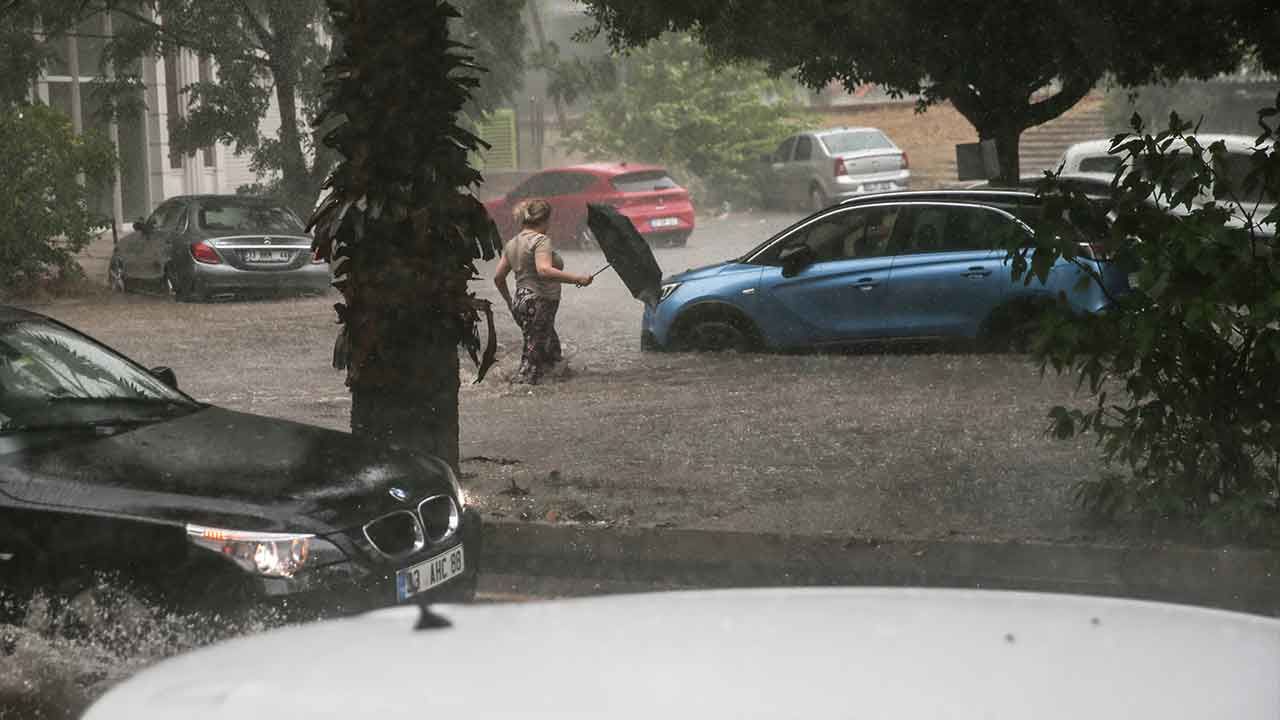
[[916, 445], [868, 445]]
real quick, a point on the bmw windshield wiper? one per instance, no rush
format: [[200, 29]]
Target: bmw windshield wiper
[[79, 425], [87, 399]]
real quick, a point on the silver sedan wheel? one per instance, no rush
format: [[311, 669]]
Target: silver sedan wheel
[[817, 200]]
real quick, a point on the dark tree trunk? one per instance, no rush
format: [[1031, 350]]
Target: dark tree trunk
[[535, 16], [281, 37], [295, 174], [1002, 115], [1007, 140], [422, 418]]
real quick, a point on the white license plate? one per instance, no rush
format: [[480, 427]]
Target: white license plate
[[664, 222], [430, 573], [872, 187], [268, 256]]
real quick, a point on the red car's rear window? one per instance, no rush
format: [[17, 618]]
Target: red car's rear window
[[644, 181]]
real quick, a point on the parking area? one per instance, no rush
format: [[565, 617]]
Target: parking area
[[890, 445]]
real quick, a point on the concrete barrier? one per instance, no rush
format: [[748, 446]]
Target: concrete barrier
[[539, 559]]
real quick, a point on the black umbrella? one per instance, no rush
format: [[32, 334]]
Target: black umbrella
[[627, 252]]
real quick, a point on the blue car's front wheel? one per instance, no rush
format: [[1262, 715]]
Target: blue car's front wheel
[[716, 332]]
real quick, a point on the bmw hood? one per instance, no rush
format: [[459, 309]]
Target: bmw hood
[[225, 468]]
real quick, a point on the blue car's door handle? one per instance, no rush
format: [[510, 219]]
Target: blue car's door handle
[[865, 284], [977, 271]]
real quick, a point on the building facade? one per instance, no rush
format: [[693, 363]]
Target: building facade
[[149, 171]]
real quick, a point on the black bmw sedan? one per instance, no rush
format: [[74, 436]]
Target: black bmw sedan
[[106, 468]]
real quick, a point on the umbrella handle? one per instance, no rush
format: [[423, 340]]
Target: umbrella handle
[[606, 267]]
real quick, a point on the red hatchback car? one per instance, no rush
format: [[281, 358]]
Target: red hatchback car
[[658, 207]]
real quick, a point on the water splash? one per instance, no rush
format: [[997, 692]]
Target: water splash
[[59, 655]]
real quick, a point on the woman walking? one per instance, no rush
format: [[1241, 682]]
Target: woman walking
[[539, 272]]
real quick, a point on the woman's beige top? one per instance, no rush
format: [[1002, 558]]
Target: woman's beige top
[[522, 252]]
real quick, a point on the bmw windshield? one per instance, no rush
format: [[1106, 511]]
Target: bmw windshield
[[51, 376]]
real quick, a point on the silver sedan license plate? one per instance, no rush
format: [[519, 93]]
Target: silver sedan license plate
[[268, 256], [429, 573]]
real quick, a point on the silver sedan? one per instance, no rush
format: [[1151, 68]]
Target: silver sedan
[[815, 169], [199, 246]]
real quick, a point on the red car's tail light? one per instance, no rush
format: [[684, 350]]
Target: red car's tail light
[[315, 258], [203, 252], [840, 169]]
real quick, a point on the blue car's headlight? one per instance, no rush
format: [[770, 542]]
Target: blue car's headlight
[[667, 289]]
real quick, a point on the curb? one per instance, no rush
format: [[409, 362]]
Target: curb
[[537, 559]]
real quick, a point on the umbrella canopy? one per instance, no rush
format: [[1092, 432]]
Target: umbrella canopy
[[627, 251]]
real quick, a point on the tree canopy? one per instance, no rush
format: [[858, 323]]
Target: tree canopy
[[709, 124], [265, 49], [1004, 66], [24, 52]]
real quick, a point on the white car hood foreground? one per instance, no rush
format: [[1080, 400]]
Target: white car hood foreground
[[822, 653]]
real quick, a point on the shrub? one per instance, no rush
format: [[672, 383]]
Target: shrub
[[50, 174], [1183, 371], [709, 124]]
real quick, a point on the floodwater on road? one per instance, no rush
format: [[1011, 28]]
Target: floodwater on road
[[866, 445], [889, 444]]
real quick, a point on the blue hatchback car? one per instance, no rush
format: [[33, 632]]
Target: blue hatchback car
[[895, 266]]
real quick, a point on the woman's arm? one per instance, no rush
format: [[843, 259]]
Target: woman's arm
[[500, 280], [542, 260]]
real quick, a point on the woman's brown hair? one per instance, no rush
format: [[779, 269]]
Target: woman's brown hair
[[532, 213]]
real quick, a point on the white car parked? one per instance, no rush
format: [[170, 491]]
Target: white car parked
[[815, 169], [1093, 156], [905, 654]]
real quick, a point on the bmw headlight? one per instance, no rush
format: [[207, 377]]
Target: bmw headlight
[[449, 476], [270, 554], [667, 290]]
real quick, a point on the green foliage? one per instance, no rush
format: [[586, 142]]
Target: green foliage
[[23, 52], [1216, 107], [571, 78], [990, 60], [709, 124], [497, 37], [266, 48], [1183, 372], [259, 48], [45, 216]]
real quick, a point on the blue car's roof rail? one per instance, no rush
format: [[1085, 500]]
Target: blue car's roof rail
[[950, 195]]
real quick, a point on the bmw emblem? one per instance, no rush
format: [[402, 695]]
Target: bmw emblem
[[399, 494]]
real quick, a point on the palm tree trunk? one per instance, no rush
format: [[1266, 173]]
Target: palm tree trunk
[[399, 225], [424, 418]]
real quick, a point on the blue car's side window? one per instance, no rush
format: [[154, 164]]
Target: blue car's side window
[[953, 228], [842, 235]]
